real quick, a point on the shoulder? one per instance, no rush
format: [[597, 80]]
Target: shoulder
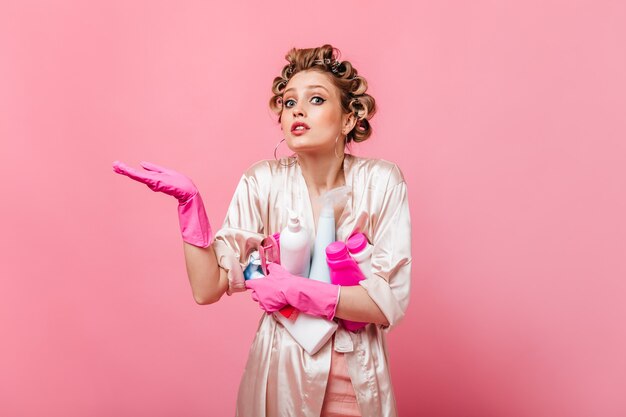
[[260, 175], [268, 168], [379, 172], [259, 168], [261, 172]]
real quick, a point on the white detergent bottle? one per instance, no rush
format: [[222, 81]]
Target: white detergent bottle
[[361, 251], [310, 332], [295, 247], [326, 231]]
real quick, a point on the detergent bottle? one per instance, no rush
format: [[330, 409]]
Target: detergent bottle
[[343, 269], [361, 252], [295, 247], [295, 253], [326, 231]]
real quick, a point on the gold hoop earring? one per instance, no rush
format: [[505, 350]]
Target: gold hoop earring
[[280, 160], [345, 143]]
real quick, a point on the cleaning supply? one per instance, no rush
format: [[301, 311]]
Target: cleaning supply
[[315, 301], [361, 251], [326, 231], [253, 270], [343, 269], [269, 251], [309, 331], [295, 247], [342, 273], [295, 253]]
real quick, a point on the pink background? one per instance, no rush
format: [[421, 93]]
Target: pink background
[[507, 119]]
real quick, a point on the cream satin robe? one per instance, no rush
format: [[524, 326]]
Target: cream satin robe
[[280, 378]]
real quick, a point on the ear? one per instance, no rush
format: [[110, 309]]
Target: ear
[[349, 121]]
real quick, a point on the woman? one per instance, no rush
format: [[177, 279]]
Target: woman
[[322, 106]]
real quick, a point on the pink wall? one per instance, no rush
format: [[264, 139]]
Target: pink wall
[[507, 119]]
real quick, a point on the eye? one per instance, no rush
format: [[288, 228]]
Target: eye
[[318, 100], [289, 103]]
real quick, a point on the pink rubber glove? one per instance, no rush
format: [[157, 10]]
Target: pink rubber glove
[[280, 288], [194, 224]]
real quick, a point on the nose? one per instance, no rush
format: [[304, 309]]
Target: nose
[[297, 109]]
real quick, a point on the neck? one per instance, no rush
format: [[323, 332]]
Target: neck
[[321, 173]]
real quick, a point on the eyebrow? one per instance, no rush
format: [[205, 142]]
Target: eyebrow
[[310, 87]]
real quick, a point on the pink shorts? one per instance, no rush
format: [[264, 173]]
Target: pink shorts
[[340, 399]]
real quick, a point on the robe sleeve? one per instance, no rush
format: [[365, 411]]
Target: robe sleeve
[[390, 283], [243, 227]]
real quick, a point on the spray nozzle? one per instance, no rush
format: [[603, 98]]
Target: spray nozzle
[[331, 198]]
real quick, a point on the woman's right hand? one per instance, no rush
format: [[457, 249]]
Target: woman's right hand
[[194, 224], [160, 179]]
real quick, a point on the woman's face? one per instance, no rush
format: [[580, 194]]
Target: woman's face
[[312, 116]]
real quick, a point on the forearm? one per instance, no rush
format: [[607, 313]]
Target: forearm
[[355, 304], [208, 281]]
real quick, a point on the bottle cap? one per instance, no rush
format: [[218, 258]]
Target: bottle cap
[[294, 221], [356, 243], [336, 250]]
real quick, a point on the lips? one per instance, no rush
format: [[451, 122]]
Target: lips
[[303, 127]]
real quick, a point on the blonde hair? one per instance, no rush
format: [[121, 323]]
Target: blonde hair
[[343, 75]]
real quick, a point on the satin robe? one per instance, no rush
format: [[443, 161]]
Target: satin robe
[[280, 378]]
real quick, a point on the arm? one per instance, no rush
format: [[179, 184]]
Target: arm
[[383, 297], [218, 269], [355, 304], [280, 288], [208, 281], [242, 230], [390, 283]]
